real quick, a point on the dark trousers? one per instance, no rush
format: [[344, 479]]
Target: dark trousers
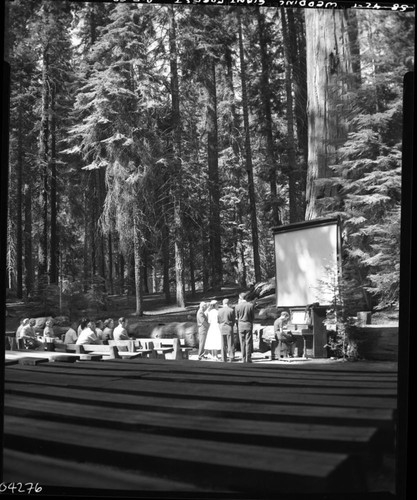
[[202, 334], [245, 337], [227, 342]]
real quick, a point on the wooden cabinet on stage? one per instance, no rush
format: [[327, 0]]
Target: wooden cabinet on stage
[[315, 334]]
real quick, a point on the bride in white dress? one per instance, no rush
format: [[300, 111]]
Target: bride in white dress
[[213, 339]]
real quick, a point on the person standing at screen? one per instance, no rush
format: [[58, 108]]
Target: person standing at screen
[[245, 314]]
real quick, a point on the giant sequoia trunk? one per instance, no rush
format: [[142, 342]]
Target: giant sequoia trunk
[[329, 67]]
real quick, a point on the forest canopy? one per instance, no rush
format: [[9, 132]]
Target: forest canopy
[[152, 148]]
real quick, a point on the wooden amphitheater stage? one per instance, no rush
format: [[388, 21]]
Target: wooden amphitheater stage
[[184, 428]]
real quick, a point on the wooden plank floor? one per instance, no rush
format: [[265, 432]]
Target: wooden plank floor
[[187, 427]]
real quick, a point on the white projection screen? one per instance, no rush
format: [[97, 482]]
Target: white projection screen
[[306, 262]]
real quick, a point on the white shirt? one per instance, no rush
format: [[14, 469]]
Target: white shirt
[[87, 336], [120, 333], [71, 337]]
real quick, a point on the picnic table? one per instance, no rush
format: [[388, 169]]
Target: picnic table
[[153, 426]]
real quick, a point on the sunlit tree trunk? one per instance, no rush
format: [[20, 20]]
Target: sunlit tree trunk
[[329, 66]]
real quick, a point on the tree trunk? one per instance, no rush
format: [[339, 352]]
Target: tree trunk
[[191, 244], [292, 163], [121, 268], [43, 162], [54, 245], [205, 258], [19, 208], [237, 150], [329, 64], [86, 250], [213, 177], [165, 236], [145, 267], [177, 180], [28, 238], [138, 267], [110, 264], [266, 101], [99, 190], [248, 158]]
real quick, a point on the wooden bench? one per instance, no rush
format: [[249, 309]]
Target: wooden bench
[[172, 348], [105, 351], [156, 350], [131, 346]]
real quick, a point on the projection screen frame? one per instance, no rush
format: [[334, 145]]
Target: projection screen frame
[[296, 226]]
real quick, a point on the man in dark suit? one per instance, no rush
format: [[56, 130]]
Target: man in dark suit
[[226, 319], [245, 314], [203, 326]]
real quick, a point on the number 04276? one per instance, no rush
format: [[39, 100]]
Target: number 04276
[[17, 488]]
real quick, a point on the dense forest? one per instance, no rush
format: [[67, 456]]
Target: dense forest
[[152, 148]]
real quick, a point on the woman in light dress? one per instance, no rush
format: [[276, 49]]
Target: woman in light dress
[[214, 338]]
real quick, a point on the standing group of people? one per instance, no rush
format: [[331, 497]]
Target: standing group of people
[[216, 329]]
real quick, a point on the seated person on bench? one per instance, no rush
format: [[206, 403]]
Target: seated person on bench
[[120, 332], [88, 333], [49, 336], [71, 335], [28, 335], [282, 335]]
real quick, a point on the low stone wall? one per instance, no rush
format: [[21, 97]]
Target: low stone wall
[[377, 342]]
